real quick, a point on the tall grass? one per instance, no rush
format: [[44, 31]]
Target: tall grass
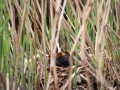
[[30, 31]]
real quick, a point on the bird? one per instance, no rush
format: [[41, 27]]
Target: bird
[[62, 59]]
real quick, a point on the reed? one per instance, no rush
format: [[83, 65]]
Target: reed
[[33, 31]]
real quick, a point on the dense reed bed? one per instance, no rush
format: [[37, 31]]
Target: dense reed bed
[[33, 31]]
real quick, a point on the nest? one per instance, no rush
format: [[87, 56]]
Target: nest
[[83, 77]]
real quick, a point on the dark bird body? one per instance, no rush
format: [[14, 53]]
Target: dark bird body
[[62, 59]]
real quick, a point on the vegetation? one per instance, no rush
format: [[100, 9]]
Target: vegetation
[[33, 31]]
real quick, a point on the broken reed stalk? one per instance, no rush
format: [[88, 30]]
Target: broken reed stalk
[[82, 28], [53, 44]]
